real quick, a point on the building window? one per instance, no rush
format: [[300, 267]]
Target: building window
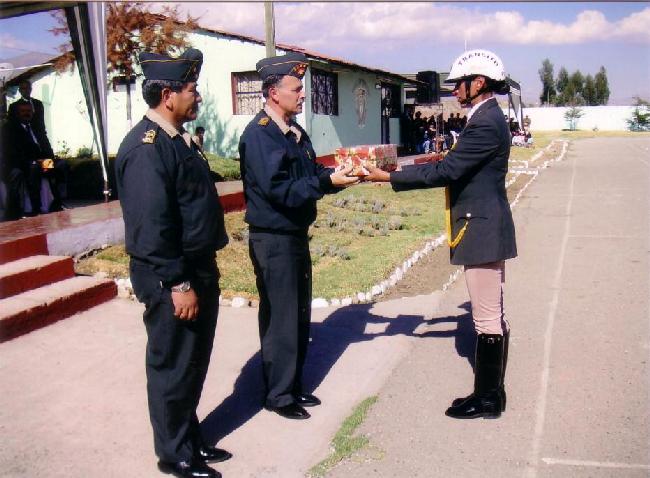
[[390, 100], [324, 92], [247, 93], [120, 83]]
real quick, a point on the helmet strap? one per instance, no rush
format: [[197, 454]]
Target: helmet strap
[[468, 83]]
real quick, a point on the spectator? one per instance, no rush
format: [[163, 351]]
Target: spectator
[[199, 134], [527, 123], [25, 88], [25, 146]]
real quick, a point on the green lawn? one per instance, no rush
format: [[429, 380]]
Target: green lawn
[[360, 235], [228, 168]]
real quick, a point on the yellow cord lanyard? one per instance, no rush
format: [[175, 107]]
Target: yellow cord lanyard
[[453, 241]]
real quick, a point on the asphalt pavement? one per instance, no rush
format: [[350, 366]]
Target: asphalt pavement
[[73, 401]]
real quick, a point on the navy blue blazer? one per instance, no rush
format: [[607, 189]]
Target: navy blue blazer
[[282, 180], [172, 214], [475, 171]]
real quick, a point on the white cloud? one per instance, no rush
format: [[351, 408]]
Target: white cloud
[[13, 46], [317, 25]]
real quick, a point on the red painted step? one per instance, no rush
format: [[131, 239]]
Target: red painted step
[[33, 272], [13, 249], [37, 308]]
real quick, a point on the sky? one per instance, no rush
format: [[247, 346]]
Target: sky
[[407, 37]]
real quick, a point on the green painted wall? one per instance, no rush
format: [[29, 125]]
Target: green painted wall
[[330, 132]]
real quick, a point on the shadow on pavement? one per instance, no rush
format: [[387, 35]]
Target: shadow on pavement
[[464, 332], [329, 340]]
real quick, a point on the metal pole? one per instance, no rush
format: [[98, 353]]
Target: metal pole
[[269, 24]]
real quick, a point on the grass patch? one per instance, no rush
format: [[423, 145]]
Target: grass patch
[[360, 235], [228, 168], [345, 442]]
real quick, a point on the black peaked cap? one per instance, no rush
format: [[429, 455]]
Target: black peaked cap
[[293, 63], [162, 67]]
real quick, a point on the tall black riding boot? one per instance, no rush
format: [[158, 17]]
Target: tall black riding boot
[[487, 399], [506, 341]]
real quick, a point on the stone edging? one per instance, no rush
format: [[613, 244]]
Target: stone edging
[[125, 290]]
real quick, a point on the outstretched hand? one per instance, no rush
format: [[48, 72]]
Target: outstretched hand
[[340, 177], [376, 174]]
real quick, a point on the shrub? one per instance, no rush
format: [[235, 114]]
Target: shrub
[[640, 119], [84, 152]]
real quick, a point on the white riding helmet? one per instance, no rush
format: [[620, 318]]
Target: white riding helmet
[[477, 62]]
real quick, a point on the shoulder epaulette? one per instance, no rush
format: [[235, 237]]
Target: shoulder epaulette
[[264, 121]]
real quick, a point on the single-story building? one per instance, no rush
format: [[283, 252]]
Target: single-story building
[[347, 104]]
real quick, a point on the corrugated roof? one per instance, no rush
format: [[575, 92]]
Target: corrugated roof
[[387, 75]]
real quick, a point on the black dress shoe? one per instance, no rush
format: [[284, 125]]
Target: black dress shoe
[[213, 454], [188, 469], [292, 411], [307, 400], [477, 406]]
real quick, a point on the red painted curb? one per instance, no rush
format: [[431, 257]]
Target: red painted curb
[[233, 202], [41, 315]]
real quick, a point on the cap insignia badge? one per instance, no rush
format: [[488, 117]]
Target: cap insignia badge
[[299, 69]]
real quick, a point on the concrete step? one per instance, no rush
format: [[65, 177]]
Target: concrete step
[[33, 272], [37, 308], [12, 249]]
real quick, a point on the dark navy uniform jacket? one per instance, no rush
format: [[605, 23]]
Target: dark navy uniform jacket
[[171, 209], [475, 172], [282, 180]]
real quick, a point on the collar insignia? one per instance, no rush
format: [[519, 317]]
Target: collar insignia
[[264, 121], [149, 136]]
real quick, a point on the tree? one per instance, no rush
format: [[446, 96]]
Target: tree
[[548, 84], [561, 85], [601, 86], [65, 62], [589, 91], [576, 87], [572, 115], [132, 28], [640, 119]]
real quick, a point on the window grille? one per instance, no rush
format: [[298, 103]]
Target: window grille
[[324, 92], [390, 100], [247, 93]]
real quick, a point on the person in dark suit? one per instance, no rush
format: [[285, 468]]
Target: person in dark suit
[[25, 147], [25, 89], [174, 224], [282, 183], [480, 229]]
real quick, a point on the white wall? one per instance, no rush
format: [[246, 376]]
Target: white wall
[[605, 118], [221, 56], [66, 115]]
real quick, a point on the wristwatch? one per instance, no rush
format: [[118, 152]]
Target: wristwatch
[[182, 287]]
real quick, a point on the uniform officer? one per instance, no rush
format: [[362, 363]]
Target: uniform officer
[[173, 226], [480, 229], [282, 183]]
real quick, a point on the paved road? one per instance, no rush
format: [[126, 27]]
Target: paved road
[[577, 299], [72, 395]]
